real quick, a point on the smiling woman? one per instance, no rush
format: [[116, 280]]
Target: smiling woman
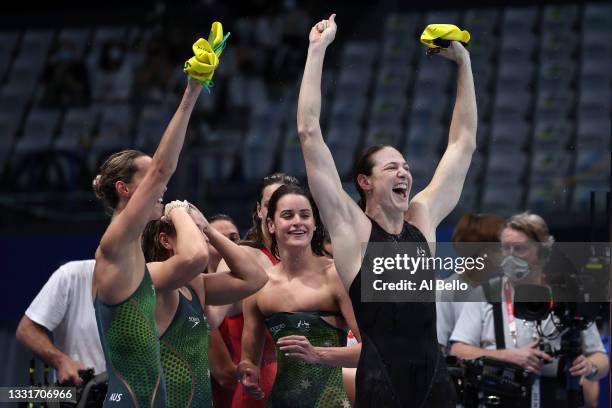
[[131, 185], [298, 202], [393, 165], [305, 308], [383, 180]]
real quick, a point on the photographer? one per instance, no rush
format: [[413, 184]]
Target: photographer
[[64, 308], [526, 244]]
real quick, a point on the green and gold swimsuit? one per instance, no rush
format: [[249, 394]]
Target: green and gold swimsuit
[[300, 384], [184, 353]]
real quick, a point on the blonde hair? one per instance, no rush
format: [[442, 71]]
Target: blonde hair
[[533, 226], [118, 167]]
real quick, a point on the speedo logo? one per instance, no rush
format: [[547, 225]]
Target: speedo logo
[[195, 320], [277, 328]]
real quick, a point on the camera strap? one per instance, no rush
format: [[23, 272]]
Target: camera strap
[[510, 312], [492, 291], [498, 322]]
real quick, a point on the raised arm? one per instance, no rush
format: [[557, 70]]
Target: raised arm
[[336, 207], [129, 224], [439, 198], [347, 225], [246, 276], [190, 252]]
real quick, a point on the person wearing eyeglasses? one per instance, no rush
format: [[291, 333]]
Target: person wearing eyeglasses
[[526, 244]]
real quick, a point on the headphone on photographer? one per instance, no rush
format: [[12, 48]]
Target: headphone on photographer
[[535, 228]]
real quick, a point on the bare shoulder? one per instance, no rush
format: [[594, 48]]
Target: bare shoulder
[[331, 273], [274, 274], [348, 245], [356, 228], [117, 278], [327, 265], [418, 216]]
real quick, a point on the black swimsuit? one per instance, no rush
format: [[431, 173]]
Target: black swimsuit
[[401, 364]]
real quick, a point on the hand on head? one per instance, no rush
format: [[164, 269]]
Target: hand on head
[[198, 218], [172, 205], [324, 32]]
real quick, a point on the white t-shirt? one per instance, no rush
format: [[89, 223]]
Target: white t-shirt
[[64, 307], [448, 308]]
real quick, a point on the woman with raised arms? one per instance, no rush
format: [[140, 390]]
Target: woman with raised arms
[[400, 364]]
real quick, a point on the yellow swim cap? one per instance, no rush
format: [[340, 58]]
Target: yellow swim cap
[[206, 56], [216, 39], [203, 64], [440, 35]]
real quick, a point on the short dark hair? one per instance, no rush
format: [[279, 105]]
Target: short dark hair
[[363, 165]]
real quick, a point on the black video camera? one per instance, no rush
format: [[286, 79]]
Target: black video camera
[[537, 302], [490, 382]]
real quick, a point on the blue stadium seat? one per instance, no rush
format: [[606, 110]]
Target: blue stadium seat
[[522, 19], [359, 54], [509, 134], [548, 197], [425, 136], [75, 133], [422, 166], [555, 105], [292, 160], [388, 108], [38, 131], [384, 133], [519, 102], [217, 159], [36, 43], [559, 17], [77, 37], [502, 199], [506, 167], [592, 166], [550, 165], [259, 153], [344, 142], [551, 134]]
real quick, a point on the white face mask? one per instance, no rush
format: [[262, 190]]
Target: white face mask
[[515, 268]]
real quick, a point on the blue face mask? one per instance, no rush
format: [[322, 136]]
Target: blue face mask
[[515, 268]]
